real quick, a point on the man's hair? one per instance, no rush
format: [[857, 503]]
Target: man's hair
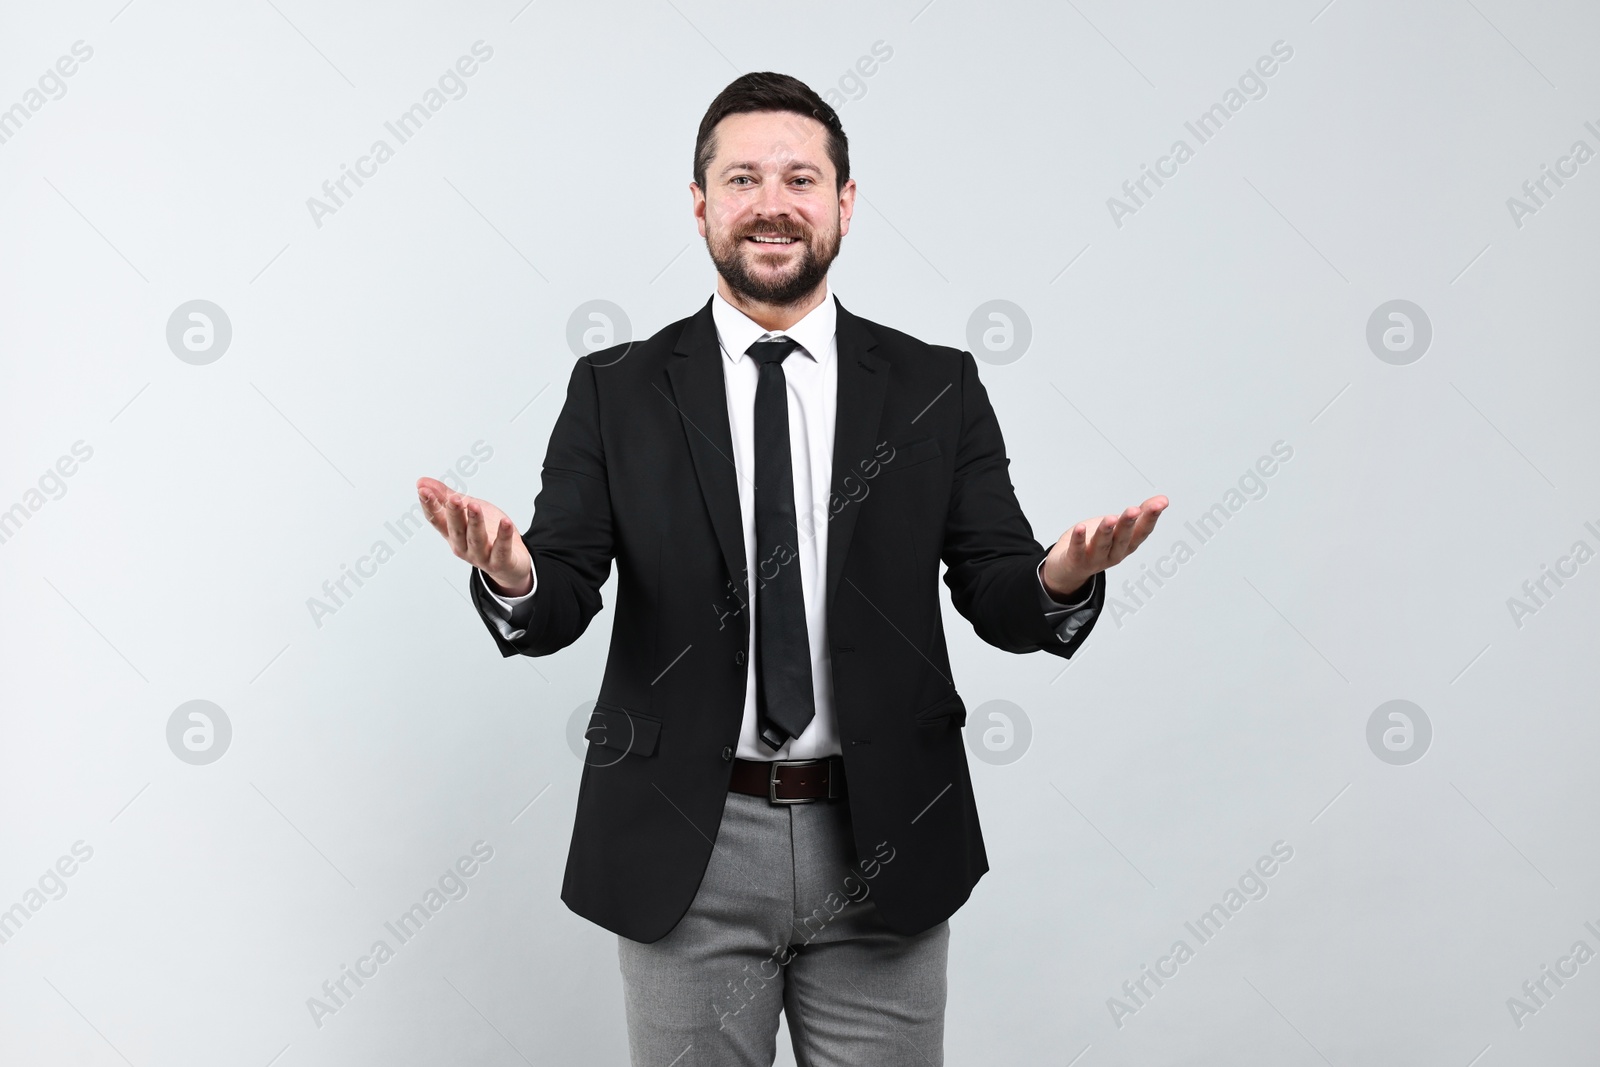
[[767, 91]]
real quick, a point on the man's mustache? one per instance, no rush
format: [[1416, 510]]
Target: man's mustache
[[772, 233]]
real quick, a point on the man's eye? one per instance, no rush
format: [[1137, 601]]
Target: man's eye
[[805, 180]]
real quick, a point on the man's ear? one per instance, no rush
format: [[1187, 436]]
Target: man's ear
[[698, 206], [847, 206]]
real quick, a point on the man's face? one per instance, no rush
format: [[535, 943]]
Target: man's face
[[769, 213]]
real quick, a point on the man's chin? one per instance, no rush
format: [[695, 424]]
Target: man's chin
[[773, 277], [775, 287], [776, 297]]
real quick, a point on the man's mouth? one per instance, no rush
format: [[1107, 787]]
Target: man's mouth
[[771, 239]]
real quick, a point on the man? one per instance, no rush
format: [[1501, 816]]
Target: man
[[775, 812]]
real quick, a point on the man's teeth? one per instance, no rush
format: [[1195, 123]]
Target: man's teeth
[[774, 240]]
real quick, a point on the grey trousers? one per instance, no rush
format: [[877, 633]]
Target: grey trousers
[[784, 920]]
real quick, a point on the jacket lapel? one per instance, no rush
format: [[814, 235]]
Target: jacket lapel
[[863, 383], [702, 402]]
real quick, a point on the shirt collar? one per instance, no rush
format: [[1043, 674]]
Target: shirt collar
[[737, 331]]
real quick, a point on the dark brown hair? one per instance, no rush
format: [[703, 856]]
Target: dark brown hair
[[768, 91]]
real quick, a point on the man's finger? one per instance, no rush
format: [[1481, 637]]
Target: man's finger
[[478, 543], [433, 509], [1145, 526], [501, 555], [457, 520], [1121, 546], [1102, 539], [1076, 540]]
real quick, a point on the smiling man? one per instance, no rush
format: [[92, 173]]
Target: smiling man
[[775, 813]]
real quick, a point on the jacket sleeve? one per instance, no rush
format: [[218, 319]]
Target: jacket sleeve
[[991, 557], [570, 536]]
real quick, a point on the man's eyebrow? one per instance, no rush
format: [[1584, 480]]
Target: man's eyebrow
[[793, 164]]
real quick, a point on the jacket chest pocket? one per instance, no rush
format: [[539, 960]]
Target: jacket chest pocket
[[909, 454]]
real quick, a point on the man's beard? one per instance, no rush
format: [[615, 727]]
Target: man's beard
[[779, 291]]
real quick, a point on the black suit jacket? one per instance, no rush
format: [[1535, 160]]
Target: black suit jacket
[[639, 469]]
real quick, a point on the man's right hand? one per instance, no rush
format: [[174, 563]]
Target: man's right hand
[[479, 533]]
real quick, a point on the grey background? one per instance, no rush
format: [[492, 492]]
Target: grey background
[[1197, 727]]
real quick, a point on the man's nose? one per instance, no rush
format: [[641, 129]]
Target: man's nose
[[772, 200]]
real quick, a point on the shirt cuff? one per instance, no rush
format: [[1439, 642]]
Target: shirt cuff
[[1067, 619], [508, 612]]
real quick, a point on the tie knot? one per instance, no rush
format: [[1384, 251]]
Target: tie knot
[[772, 351]]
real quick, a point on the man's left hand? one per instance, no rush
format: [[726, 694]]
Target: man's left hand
[[1080, 554]]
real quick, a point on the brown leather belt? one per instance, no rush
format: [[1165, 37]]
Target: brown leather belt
[[790, 781]]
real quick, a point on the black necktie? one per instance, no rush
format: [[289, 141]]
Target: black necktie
[[784, 701]]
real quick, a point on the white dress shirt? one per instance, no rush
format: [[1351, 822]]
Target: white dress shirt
[[811, 373]]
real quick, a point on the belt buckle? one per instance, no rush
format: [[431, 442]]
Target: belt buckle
[[772, 780]]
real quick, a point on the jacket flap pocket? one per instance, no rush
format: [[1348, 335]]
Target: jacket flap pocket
[[911, 453], [625, 731], [946, 711]]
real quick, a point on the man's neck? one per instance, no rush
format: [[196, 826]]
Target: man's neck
[[771, 317]]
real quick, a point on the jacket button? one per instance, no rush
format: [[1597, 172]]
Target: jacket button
[[738, 659], [727, 753]]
